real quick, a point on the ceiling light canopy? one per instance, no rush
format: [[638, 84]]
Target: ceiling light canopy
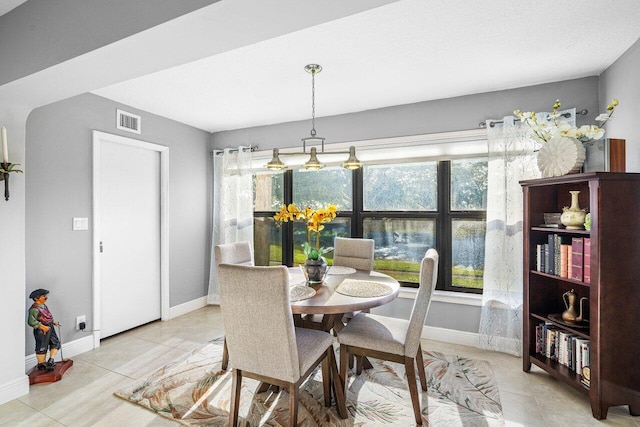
[[313, 163]]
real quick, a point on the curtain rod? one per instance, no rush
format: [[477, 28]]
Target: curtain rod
[[483, 124], [253, 149]]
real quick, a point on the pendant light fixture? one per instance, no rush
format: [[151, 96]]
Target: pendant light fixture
[[313, 163]]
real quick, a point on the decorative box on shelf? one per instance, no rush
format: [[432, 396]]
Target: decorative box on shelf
[[605, 155]]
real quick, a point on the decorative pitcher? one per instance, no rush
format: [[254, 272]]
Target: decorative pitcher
[[573, 217], [570, 315]]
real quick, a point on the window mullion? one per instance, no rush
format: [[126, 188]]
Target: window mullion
[[443, 237]]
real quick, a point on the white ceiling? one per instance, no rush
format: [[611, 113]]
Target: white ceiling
[[405, 52]]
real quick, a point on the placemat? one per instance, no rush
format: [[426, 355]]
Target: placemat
[[298, 293], [363, 288], [339, 270]]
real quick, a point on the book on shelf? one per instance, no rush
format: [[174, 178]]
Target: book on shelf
[[577, 245], [551, 342], [557, 240], [564, 253], [550, 254], [569, 255], [579, 361], [586, 268], [539, 255]]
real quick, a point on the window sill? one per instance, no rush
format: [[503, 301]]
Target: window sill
[[445, 296]]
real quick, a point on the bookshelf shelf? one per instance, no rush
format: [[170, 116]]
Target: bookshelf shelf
[[609, 284]]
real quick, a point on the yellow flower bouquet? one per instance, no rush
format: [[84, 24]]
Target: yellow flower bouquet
[[314, 220]]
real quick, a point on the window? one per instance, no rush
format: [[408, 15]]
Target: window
[[405, 207]]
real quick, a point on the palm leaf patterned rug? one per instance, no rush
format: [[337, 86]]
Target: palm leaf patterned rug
[[196, 392]]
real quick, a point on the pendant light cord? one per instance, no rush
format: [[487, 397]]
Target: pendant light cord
[[313, 103]]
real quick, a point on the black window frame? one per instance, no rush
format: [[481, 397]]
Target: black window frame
[[443, 216]]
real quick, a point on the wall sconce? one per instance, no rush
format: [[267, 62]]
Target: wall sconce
[[5, 167]]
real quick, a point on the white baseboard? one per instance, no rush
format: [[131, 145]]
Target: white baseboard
[[450, 336], [187, 307], [69, 350], [14, 389]]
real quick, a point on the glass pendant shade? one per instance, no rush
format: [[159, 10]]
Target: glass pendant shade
[[352, 162], [275, 163], [313, 163]]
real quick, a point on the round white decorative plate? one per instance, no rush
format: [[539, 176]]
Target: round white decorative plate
[[561, 155], [340, 270], [298, 293]]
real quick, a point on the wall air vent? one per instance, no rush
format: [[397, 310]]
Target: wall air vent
[[128, 121]]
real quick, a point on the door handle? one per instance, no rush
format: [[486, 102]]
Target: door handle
[[101, 248]]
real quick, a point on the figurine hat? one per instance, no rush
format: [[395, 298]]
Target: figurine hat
[[37, 293]]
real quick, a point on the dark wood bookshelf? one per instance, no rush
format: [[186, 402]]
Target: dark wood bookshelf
[[613, 199]]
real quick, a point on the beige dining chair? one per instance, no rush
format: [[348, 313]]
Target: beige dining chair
[[263, 342], [232, 253], [391, 339], [354, 253], [347, 252]]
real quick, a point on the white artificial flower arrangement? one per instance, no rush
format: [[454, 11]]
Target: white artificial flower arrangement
[[545, 132]]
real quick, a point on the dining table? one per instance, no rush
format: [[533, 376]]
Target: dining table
[[343, 290]]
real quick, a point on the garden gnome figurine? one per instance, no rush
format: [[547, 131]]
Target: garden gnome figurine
[[41, 320]]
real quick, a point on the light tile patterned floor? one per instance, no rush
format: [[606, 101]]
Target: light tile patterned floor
[[85, 395]]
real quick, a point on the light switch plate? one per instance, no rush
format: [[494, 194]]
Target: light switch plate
[[80, 224]]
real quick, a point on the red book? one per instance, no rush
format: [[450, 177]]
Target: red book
[[587, 260], [577, 245], [564, 260]]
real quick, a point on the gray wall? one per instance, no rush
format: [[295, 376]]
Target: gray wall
[[446, 115], [58, 151], [621, 81]]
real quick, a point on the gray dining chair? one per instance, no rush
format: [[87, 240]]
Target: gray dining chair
[[263, 342], [232, 253], [391, 339], [353, 252]]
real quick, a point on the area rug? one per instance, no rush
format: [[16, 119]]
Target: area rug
[[194, 391]]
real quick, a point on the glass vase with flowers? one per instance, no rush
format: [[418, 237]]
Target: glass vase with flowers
[[315, 266]]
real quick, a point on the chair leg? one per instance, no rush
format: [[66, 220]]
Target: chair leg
[[236, 383], [293, 405], [326, 377], [359, 362], [413, 388], [338, 387], [421, 373], [225, 356], [344, 358]]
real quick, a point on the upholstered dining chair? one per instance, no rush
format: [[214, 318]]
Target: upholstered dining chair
[[263, 342], [391, 339], [354, 253], [232, 253]]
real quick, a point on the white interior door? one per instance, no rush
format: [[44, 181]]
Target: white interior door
[[128, 226]]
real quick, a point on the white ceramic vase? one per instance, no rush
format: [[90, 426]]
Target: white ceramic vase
[[573, 216], [560, 156]]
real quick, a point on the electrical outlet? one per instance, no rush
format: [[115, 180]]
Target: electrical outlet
[[80, 319]]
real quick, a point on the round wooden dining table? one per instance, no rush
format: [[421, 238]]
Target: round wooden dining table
[[332, 305]]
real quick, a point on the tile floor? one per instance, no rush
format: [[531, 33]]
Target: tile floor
[[85, 397]]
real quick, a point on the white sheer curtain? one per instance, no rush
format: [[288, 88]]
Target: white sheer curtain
[[511, 159], [232, 205]]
